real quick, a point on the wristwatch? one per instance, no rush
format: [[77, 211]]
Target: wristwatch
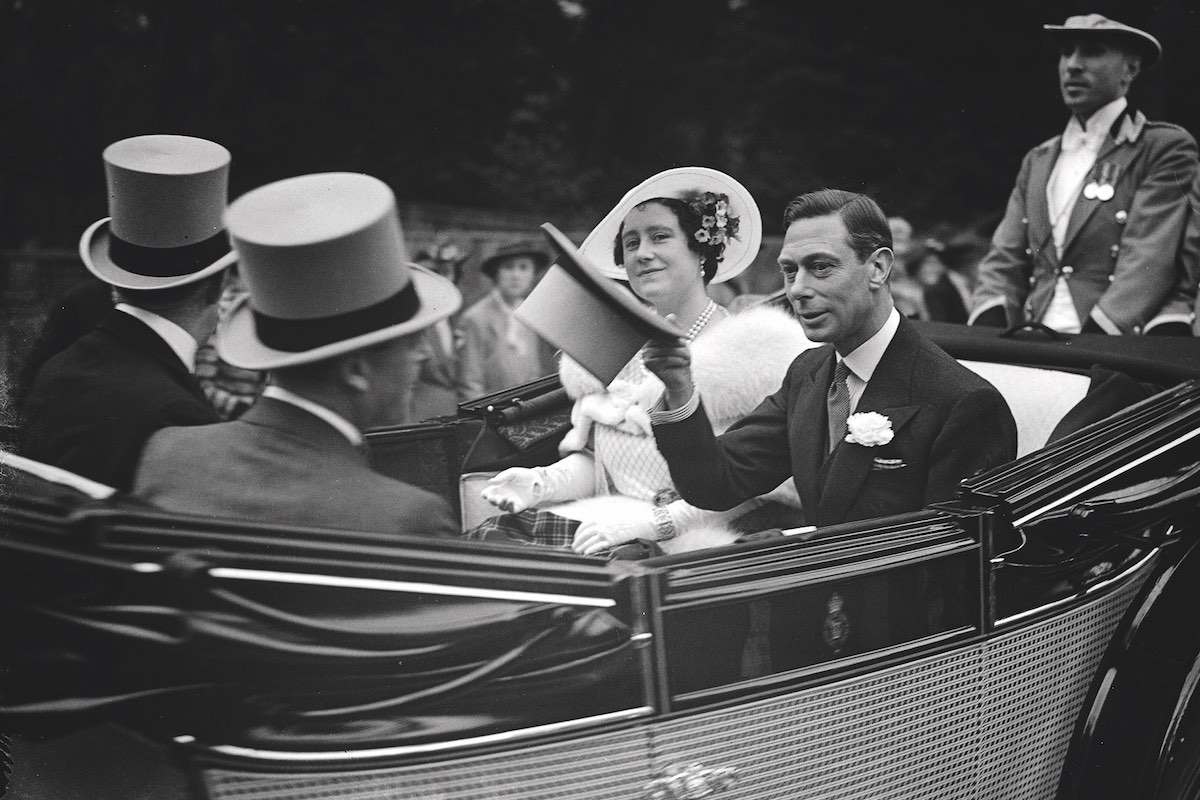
[[664, 525]]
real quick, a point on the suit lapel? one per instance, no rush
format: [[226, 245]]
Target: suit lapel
[[1118, 150], [888, 392], [1037, 210], [810, 449]]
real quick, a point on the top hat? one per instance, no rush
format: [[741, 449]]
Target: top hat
[[324, 261], [596, 321], [680, 183], [166, 195], [531, 249], [1097, 26]]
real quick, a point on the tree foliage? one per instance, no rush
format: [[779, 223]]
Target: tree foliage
[[550, 106]]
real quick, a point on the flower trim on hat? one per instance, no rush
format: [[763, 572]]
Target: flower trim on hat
[[717, 225]]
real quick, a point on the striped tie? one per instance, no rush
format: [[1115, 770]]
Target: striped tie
[[838, 403]]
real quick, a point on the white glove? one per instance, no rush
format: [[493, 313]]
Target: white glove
[[594, 536], [515, 489], [518, 488]]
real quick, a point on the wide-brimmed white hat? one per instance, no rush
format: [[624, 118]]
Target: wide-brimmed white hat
[[166, 197], [680, 183], [323, 258], [1097, 26]]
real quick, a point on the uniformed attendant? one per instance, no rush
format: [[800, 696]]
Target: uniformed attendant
[[1091, 236]]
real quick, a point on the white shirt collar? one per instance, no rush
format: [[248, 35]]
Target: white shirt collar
[[1099, 122], [179, 340], [340, 423], [865, 358]]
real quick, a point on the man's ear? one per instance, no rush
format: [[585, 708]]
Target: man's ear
[[354, 370], [1133, 67], [880, 264]]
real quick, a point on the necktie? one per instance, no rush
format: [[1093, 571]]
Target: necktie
[[838, 403]]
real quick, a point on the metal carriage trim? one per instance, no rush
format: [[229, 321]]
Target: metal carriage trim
[[966, 635], [685, 598], [411, 587], [505, 737], [1100, 587], [1137, 462]]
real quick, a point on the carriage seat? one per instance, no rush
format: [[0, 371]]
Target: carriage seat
[[1038, 398]]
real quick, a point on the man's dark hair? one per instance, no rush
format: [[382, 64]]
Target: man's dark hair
[[864, 220], [157, 300]]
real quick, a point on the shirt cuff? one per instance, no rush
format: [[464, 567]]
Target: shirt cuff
[[660, 416]]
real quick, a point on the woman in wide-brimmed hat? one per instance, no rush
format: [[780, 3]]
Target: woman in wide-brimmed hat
[[669, 237]]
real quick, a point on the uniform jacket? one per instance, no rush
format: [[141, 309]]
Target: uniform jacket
[[487, 361], [948, 424], [279, 463], [93, 406], [1120, 255]]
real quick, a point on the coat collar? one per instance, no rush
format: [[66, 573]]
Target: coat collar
[[136, 334], [293, 422]]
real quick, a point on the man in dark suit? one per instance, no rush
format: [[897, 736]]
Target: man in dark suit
[[1090, 240], [879, 421], [336, 315], [164, 250]]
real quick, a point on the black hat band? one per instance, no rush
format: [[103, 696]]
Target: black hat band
[[167, 262], [300, 335]]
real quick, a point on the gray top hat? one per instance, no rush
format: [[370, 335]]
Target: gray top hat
[[324, 261], [1098, 26], [166, 195]]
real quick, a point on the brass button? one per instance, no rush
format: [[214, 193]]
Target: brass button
[[1033, 280], [1028, 251], [1115, 250], [1112, 278], [1066, 271], [1122, 215], [1024, 220], [1137, 330]]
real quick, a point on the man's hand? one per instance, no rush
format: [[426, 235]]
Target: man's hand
[[669, 359]]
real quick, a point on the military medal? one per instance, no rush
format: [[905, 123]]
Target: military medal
[[1104, 192]]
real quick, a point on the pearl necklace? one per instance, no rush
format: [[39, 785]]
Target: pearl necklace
[[701, 321]]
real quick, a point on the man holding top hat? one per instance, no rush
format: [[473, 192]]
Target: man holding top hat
[[335, 315], [164, 250], [1090, 240], [878, 421]]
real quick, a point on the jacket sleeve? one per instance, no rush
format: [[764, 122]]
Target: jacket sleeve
[[1003, 278], [979, 433], [717, 473], [1145, 272]]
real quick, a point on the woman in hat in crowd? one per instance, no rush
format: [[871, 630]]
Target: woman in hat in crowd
[[496, 351], [669, 237]]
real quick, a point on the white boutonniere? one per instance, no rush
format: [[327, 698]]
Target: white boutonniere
[[869, 429]]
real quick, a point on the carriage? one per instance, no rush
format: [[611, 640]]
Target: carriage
[[1025, 640]]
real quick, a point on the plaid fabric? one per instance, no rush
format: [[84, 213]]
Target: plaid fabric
[[527, 527], [548, 529]]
